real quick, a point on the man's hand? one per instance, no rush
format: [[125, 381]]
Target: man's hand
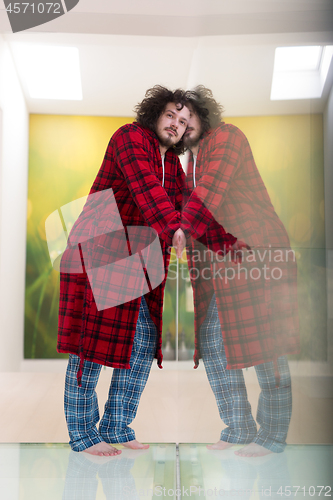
[[179, 242], [236, 251]]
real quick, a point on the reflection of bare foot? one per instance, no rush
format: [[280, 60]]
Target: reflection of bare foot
[[133, 454], [102, 450], [135, 445], [220, 445], [253, 450]]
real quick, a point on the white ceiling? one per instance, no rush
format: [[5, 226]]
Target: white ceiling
[[128, 46]]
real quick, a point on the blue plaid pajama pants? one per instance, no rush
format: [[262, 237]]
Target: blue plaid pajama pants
[[81, 405], [274, 406]]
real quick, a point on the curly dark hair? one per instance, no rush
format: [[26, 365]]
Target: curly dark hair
[[150, 109], [205, 106]]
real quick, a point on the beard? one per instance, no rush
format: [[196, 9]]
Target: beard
[[190, 142], [168, 141]]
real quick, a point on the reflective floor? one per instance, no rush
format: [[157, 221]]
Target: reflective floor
[[52, 471], [302, 470]]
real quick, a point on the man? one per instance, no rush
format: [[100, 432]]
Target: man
[[252, 306], [142, 171]]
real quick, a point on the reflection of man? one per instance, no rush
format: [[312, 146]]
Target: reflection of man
[[253, 303], [85, 471], [141, 168]]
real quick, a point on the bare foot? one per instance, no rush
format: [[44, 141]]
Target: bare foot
[[220, 445], [102, 450], [253, 450], [135, 445]]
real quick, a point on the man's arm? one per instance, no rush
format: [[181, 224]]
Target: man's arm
[[183, 193], [130, 150], [224, 160]]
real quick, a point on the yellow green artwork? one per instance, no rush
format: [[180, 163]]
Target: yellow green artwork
[[65, 153]]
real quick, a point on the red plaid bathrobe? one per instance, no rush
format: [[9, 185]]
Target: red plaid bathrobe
[[132, 167], [258, 311]]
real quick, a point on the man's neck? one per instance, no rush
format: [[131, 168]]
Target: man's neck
[[195, 149], [163, 150]]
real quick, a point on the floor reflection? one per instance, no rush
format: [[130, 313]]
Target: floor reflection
[[302, 470], [84, 473], [50, 472], [54, 472]]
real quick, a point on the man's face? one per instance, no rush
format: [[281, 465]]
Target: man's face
[[172, 123], [193, 131]]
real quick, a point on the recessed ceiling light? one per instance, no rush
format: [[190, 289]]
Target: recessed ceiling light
[[50, 72], [300, 72], [297, 58]]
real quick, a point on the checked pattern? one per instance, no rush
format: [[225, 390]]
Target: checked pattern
[[81, 405], [275, 404]]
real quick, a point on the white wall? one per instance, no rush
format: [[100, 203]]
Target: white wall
[[328, 166], [13, 202]]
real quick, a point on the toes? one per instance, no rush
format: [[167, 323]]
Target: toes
[[114, 452], [134, 445]]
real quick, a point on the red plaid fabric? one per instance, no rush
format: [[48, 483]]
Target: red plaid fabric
[[132, 167], [258, 310]]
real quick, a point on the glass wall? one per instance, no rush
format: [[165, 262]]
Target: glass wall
[[291, 145]]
